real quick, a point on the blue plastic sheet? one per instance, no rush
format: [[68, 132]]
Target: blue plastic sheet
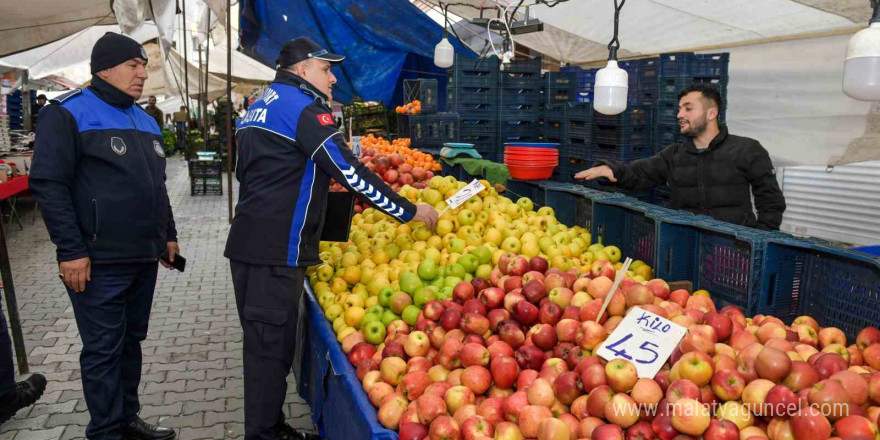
[[384, 41]]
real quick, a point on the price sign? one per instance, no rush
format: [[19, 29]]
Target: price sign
[[356, 146], [643, 338], [463, 195]]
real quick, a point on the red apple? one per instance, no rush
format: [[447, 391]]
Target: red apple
[[682, 389], [544, 336], [856, 385], [772, 364], [647, 392], [391, 411], [529, 357], [872, 355], [659, 288], [697, 367], [445, 427], [450, 319], [690, 417], [608, 432], [621, 375], [412, 431], [810, 424], [534, 291], [525, 312], [728, 384], [622, 410], [518, 266], [826, 364], [429, 407], [781, 402], [721, 429], [568, 387], [491, 409], [530, 418], [598, 398], [831, 399], [479, 284], [504, 371], [538, 264], [474, 354], [831, 335]]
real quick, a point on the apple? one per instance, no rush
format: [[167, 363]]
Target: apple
[[450, 319], [512, 283], [543, 336], [690, 417], [682, 389], [550, 313], [530, 418], [514, 404], [474, 354], [831, 399], [874, 388], [429, 407], [417, 344], [593, 376], [721, 429], [607, 432], [458, 396], [591, 335], [378, 392], [475, 323], [772, 364], [872, 355], [474, 306], [496, 316], [477, 378], [722, 325], [697, 367], [781, 402], [639, 295], [463, 292], [561, 296], [508, 431], [810, 424], [553, 429], [534, 291], [700, 338], [445, 427], [831, 335], [622, 410], [529, 357], [568, 387], [391, 411], [412, 431], [646, 392], [518, 267], [826, 364], [476, 427], [621, 375], [449, 353], [598, 398], [728, 384], [567, 330], [492, 410], [802, 376], [856, 386], [525, 312], [755, 395], [499, 349]]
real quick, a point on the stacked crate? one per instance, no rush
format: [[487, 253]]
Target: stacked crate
[[558, 88], [584, 80], [520, 102], [643, 87], [571, 126], [677, 71], [472, 92], [14, 110]]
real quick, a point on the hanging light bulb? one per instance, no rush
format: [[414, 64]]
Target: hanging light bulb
[[612, 82], [861, 70], [443, 53]]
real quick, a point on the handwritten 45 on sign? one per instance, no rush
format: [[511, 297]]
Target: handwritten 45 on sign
[[643, 338]]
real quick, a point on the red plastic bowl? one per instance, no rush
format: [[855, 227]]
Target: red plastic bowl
[[530, 173], [532, 151], [533, 163]]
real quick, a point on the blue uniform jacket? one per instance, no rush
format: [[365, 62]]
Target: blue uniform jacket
[[289, 149], [99, 177]]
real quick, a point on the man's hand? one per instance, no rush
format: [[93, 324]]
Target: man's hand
[[76, 273], [426, 213], [173, 249], [595, 173]]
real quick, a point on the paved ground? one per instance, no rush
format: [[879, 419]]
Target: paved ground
[[192, 375]]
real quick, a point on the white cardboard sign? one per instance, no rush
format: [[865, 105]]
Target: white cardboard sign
[[464, 194], [643, 338]]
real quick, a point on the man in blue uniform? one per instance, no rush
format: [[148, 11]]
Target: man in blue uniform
[[99, 177], [289, 149]]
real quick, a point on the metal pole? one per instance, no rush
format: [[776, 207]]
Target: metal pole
[[26, 102], [205, 122], [11, 303], [229, 103], [185, 64], [201, 112]]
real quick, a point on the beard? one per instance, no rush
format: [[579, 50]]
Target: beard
[[693, 128]]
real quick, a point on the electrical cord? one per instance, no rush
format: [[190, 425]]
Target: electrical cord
[[614, 45]]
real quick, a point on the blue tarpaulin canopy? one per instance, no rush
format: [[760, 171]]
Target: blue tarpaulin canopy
[[383, 41]]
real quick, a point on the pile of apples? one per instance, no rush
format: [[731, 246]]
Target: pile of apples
[[511, 357]]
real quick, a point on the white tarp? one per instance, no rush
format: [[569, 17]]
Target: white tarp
[[28, 24]]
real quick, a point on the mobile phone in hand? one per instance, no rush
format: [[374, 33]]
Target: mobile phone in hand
[[179, 262]]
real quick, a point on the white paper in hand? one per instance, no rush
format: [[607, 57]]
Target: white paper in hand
[[464, 194], [643, 338]]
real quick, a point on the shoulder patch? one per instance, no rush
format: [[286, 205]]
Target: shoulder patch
[[325, 119], [66, 96]]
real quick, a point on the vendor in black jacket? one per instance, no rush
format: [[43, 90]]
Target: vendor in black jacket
[[99, 178], [289, 149], [713, 172]]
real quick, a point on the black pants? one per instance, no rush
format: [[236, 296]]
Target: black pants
[[7, 370], [267, 298], [112, 316]]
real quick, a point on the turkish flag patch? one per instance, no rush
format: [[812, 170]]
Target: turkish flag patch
[[325, 119]]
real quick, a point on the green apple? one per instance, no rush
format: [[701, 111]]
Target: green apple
[[423, 296], [483, 254], [546, 243], [600, 256], [444, 293], [374, 332], [428, 269], [411, 314], [333, 312], [409, 282], [438, 283], [468, 277], [525, 203], [455, 270], [388, 317], [451, 281], [466, 217], [469, 262], [377, 309], [484, 271], [596, 247], [613, 253], [546, 210], [385, 296], [456, 246], [371, 317]]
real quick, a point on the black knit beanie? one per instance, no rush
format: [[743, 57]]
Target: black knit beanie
[[114, 49]]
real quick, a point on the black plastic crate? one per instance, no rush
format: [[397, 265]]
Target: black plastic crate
[[521, 80], [508, 128], [201, 186], [578, 147], [473, 72], [477, 127], [667, 134], [487, 111], [424, 90], [442, 128], [465, 96], [620, 153], [559, 80], [670, 87], [695, 65], [623, 134], [524, 66], [584, 78], [414, 127], [205, 169], [635, 115]]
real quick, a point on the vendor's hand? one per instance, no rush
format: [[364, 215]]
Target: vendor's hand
[[595, 173], [173, 249], [426, 213], [76, 273]]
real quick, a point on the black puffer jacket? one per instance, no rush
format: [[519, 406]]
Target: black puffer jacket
[[714, 181]]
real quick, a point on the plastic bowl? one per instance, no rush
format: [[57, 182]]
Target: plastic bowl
[[532, 151], [530, 173], [518, 161], [545, 145]]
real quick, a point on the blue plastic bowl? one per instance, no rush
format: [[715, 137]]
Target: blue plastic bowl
[[458, 145]]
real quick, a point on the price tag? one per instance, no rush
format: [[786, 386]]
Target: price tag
[[464, 194], [643, 338]]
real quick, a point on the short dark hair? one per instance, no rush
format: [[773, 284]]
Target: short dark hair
[[151, 96], [42, 96], [708, 91]]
